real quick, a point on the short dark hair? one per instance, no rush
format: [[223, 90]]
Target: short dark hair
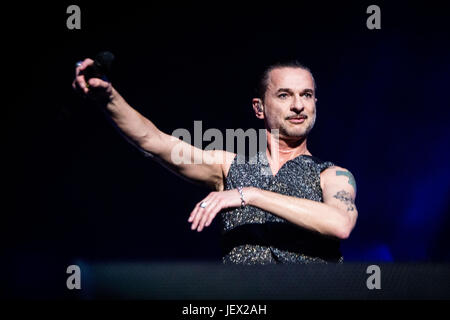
[[263, 82]]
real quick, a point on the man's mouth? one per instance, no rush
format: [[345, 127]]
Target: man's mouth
[[297, 119]]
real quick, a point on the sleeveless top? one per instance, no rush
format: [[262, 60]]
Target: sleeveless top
[[251, 235]]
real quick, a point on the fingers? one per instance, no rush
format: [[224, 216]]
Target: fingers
[[83, 65], [80, 82], [200, 216], [198, 212], [212, 216], [193, 215], [98, 83], [195, 211], [209, 214]]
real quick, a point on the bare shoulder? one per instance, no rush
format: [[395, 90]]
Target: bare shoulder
[[336, 175]]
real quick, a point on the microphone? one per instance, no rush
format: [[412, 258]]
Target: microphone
[[101, 67]]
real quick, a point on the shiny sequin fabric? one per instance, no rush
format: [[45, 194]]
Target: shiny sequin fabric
[[254, 236]]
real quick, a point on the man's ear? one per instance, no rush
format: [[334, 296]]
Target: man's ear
[[258, 107], [315, 99]]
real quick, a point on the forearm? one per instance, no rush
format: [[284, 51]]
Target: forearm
[[135, 127], [312, 215], [193, 163]]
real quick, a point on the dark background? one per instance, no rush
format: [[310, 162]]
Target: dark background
[[77, 191]]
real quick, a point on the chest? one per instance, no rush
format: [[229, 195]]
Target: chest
[[294, 178]]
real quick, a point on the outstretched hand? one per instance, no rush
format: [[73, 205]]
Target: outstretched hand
[[216, 201]]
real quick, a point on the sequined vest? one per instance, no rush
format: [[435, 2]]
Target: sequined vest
[[254, 236]]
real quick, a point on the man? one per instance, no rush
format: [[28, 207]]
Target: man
[[281, 206]]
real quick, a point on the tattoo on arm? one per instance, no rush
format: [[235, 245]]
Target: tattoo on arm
[[347, 198], [351, 179]]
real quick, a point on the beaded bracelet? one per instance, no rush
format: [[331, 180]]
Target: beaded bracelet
[[242, 197]]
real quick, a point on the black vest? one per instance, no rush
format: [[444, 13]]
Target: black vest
[[254, 236]]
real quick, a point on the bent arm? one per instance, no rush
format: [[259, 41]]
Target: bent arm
[[336, 216]]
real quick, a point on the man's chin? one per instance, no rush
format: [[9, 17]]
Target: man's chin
[[295, 134], [299, 131]]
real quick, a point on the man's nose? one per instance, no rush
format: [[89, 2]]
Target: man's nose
[[297, 104]]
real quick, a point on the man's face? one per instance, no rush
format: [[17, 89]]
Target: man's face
[[290, 102]]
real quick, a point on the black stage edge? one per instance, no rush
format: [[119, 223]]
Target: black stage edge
[[206, 281]]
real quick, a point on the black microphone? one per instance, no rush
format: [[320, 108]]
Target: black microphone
[[101, 68]]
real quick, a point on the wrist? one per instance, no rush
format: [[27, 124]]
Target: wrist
[[113, 96], [114, 101], [250, 194]]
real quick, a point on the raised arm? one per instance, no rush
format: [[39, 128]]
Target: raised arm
[[204, 167]]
